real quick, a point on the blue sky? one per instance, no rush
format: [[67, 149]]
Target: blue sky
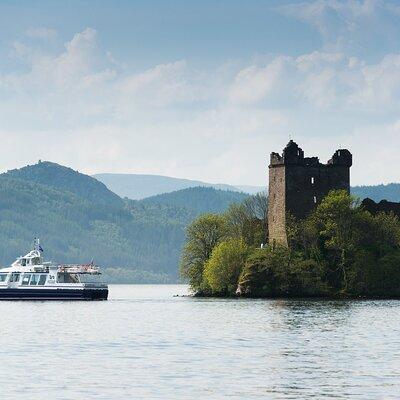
[[203, 90], [143, 33]]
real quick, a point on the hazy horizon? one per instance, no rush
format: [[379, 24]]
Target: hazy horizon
[[240, 185]]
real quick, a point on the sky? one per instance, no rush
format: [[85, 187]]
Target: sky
[[200, 89]]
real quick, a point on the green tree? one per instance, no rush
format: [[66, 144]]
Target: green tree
[[278, 271], [338, 221], [354, 247], [247, 220], [202, 236], [265, 272], [225, 265]]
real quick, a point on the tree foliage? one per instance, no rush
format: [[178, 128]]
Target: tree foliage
[[223, 268], [340, 249], [201, 238], [247, 220], [211, 240]]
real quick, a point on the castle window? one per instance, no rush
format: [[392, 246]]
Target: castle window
[[315, 199], [312, 180]]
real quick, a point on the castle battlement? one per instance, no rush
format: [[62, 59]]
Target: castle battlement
[[297, 184], [293, 154]]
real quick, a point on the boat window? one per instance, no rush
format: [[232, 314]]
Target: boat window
[[3, 277], [34, 279], [61, 277], [25, 279], [64, 277], [36, 261], [42, 279], [14, 277], [23, 262]]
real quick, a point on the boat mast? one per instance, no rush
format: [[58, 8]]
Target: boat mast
[[36, 244]]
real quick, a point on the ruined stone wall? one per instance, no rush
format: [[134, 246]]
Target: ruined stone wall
[[383, 206], [276, 205], [306, 186]]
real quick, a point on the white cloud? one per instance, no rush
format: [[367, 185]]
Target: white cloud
[[349, 25], [78, 61], [322, 80], [164, 84], [253, 83], [79, 107], [324, 13], [380, 84], [374, 147]]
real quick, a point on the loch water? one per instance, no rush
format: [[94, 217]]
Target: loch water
[[145, 343]]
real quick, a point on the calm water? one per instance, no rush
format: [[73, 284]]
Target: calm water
[[145, 343]]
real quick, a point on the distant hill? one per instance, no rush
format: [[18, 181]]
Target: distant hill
[[390, 192], [198, 199], [78, 219], [66, 179], [75, 230], [136, 186]]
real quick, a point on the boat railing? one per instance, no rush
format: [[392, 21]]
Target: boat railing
[[41, 268], [79, 269]]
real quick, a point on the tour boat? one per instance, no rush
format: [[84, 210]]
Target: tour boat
[[31, 278]]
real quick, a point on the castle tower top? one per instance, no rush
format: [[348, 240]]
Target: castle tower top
[[293, 154], [342, 157]]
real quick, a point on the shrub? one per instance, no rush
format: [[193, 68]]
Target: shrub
[[225, 265]]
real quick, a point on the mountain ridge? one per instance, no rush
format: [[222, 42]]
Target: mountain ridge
[[134, 240], [141, 186], [154, 187], [65, 178], [390, 192], [199, 199]]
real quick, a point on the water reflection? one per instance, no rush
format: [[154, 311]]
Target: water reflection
[[324, 314]]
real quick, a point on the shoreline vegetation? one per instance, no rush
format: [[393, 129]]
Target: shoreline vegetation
[[340, 251]]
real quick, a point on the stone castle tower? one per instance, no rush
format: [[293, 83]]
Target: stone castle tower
[[297, 184]]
